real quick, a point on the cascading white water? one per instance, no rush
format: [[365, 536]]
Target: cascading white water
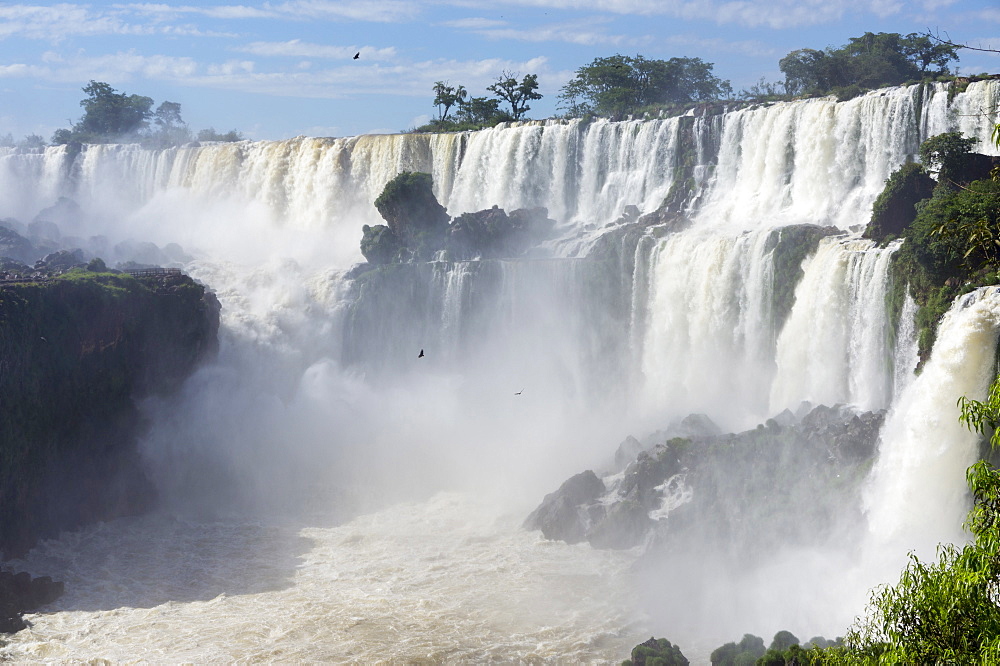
[[283, 455], [907, 354], [835, 346], [709, 331], [918, 495]]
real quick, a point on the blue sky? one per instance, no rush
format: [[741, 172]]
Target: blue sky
[[274, 70]]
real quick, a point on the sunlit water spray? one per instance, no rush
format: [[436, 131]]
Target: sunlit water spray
[[329, 496], [918, 496]]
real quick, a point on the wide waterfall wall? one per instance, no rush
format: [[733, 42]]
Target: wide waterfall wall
[[760, 296], [815, 161]]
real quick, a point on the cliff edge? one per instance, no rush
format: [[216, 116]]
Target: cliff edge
[[76, 352]]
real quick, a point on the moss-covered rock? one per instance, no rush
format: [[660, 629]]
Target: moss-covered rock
[[792, 244], [412, 213], [895, 208], [656, 652], [418, 227], [379, 245], [75, 354]]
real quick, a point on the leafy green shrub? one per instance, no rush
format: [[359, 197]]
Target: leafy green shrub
[[656, 652]]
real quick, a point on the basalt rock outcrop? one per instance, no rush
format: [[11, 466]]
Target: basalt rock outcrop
[[20, 593], [418, 228], [76, 352], [791, 476]]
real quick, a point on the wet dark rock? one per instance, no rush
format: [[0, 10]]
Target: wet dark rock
[[15, 246], [493, 234], [61, 260], [418, 228], [696, 425], [379, 245], [20, 593], [894, 209], [559, 517], [142, 253], [44, 232], [658, 651], [13, 267], [789, 479], [47, 223], [412, 213], [627, 451], [79, 355]]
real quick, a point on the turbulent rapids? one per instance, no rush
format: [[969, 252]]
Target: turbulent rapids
[[329, 496]]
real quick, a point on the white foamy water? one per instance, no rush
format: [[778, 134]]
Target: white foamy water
[[918, 494], [447, 580], [318, 384], [834, 347]]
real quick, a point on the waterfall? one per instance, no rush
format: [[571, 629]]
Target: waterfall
[[907, 349], [815, 161], [917, 495], [708, 327], [322, 450], [835, 347]]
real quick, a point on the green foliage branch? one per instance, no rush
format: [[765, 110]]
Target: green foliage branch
[[618, 85], [944, 611]]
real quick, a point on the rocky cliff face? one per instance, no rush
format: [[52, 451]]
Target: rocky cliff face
[[75, 354], [788, 477]]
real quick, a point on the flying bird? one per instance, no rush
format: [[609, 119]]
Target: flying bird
[[421, 354], [519, 392], [357, 55]]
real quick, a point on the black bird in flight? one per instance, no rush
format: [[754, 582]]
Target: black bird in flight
[[421, 354], [357, 55], [519, 392]]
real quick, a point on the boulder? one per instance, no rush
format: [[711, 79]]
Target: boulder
[[627, 451], [20, 593], [379, 245], [559, 516], [736, 493], [15, 246], [61, 260], [493, 234], [64, 212], [412, 213]]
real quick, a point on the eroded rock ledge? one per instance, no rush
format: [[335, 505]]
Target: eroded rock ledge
[[791, 476]]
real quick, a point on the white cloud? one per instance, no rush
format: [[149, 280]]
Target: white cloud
[[474, 23], [933, 5], [113, 67], [385, 11], [771, 13], [422, 119], [750, 48], [60, 21], [222, 12], [588, 32], [231, 68], [296, 48]]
